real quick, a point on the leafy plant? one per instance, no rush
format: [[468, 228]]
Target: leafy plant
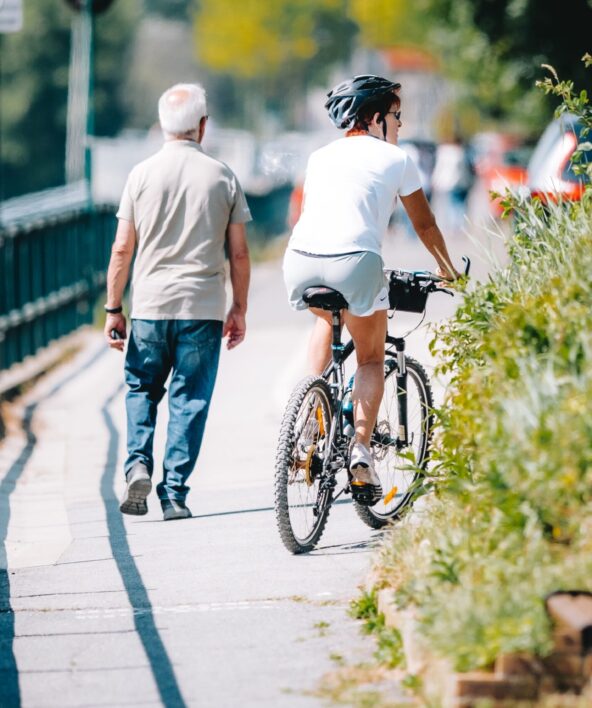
[[575, 103], [389, 642], [510, 520]]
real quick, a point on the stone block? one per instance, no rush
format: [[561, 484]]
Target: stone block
[[478, 685], [518, 664], [571, 611]]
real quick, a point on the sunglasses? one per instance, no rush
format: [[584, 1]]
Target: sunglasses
[[397, 114]]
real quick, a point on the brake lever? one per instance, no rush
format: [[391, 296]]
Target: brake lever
[[467, 261]]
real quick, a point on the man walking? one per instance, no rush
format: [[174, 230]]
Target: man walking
[[179, 210]]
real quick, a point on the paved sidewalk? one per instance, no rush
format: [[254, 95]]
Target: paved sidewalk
[[101, 609], [98, 609]]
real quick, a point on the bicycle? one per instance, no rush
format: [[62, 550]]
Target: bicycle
[[317, 429]]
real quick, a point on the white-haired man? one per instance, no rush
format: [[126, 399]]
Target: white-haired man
[[179, 210]]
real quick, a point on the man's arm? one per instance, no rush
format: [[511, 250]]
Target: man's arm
[[122, 254], [424, 222], [240, 275]]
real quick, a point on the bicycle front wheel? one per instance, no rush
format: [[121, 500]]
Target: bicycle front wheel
[[302, 502], [399, 475]]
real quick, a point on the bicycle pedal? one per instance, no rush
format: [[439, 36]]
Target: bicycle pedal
[[364, 493]]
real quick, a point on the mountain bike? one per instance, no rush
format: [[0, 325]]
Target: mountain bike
[[317, 428]]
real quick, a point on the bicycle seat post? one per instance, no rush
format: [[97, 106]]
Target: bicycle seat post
[[336, 344]]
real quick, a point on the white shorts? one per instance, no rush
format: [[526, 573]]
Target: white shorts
[[359, 277]]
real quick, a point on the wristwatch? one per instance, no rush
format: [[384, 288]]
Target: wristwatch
[[113, 310]]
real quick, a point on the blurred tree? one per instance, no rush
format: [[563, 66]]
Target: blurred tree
[[272, 50], [114, 32], [171, 9], [383, 23], [34, 84], [495, 48]]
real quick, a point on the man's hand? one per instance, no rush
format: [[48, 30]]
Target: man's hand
[[235, 327], [118, 323]]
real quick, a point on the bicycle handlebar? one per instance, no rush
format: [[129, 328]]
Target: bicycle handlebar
[[408, 290], [425, 275]]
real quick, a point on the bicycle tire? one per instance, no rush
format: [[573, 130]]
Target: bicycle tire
[[418, 378], [291, 471]]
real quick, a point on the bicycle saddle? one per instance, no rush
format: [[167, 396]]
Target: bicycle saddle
[[324, 298]]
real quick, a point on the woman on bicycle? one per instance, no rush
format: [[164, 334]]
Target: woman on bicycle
[[350, 192]]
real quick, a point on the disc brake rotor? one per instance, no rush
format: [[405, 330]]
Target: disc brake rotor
[[383, 440]]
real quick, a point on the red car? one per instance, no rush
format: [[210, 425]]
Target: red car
[[509, 173], [550, 171]]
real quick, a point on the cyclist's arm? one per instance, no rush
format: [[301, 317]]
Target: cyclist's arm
[[424, 222]]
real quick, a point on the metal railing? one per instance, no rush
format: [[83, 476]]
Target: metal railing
[[51, 272]]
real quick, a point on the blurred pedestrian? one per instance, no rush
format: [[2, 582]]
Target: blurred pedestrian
[[179, 210], [452, 180]]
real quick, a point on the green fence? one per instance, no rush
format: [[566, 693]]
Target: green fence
[[51, 272]]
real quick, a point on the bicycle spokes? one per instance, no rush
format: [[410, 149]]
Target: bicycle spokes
[[304, 489]]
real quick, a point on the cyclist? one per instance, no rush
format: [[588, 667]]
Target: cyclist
[[350, 192]]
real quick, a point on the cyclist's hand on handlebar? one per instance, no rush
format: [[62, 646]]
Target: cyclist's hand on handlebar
[[448, 273]]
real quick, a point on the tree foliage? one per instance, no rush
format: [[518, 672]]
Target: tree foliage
[[271, 52], [492, 49], [171, 9], [254, 38], [34, 85], [383, 23], [495, 48]]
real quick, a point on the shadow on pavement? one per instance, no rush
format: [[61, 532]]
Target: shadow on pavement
[[215, 514], [367, 544], [10, 696], [160, 663]]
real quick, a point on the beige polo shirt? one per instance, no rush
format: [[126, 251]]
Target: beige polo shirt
[[181, 201]]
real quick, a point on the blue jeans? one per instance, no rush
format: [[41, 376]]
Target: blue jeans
[[190, 349]]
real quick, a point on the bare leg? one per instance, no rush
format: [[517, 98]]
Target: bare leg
[[319, 347], [368, 334]]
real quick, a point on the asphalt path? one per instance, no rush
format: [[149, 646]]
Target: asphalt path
[[100, 609]]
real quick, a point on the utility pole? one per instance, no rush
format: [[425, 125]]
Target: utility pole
[[11, 20], [81, 86]]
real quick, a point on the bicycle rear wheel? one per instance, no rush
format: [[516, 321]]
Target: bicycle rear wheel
[[398, 476], [302, 503]]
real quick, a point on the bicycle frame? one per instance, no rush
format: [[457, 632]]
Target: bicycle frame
[[334, 375]]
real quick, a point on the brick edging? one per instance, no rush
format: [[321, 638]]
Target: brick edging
[[514, 677]]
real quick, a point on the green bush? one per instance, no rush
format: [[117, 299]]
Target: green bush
[[511, 518]]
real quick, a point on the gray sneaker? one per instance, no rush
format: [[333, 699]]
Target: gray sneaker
[[173, 509], [138, 488], [365, 485]]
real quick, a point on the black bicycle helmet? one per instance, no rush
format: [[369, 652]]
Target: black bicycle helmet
[[347, 98]]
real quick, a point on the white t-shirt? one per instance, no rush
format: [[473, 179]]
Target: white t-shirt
[[350, 192]]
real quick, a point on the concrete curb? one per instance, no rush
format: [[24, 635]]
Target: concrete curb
[[14, 379], [45, 359]]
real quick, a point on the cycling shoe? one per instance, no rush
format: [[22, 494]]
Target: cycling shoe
[[365, 485]]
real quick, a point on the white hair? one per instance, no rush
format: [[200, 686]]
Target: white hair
[[181, 108]]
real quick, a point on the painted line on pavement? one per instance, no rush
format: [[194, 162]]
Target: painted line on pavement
[[109, 613]]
